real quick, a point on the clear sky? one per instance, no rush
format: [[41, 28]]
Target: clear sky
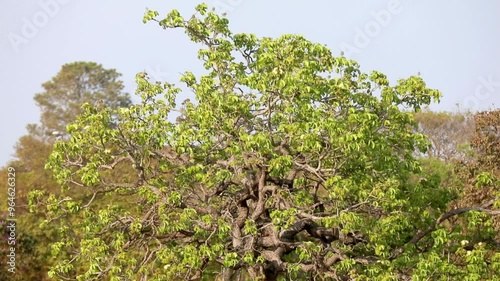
[[453, 44]]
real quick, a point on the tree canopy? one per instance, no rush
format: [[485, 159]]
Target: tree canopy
[[75, 84], [290, 164]]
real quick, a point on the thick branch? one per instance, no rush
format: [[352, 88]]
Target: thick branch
[[260, 207], [326, 235]]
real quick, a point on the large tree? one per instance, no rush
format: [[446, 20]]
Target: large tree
[[290, 164]]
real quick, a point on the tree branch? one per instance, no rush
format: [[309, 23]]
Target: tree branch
[[420, 235]]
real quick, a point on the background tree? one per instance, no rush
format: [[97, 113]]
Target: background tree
[[486, 140], [480, 176], [76, 84], [290, 164], [465, 157], [28, 262], [450, 133]]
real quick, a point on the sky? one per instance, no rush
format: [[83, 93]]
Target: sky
[[453, 44]]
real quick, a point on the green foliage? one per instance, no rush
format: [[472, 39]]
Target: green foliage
[[291, 163], [60, 103]]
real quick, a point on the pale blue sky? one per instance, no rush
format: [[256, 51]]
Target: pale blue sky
[[455, 45]]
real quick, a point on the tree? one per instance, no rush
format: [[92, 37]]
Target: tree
[[450, 133], [480, 176], [27, 263], [290, 164], [486, 139], [76, 83]]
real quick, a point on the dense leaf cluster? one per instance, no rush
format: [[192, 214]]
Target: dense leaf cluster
[[290, 164]]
